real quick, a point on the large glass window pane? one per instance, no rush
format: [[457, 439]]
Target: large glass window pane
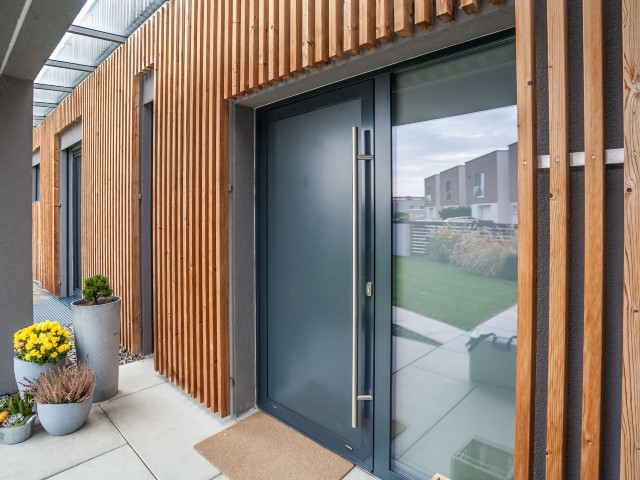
[[454, 269]]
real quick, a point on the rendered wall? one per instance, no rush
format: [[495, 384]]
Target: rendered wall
[[16, 300]]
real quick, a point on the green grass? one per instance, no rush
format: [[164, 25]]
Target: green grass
[[449, 294]]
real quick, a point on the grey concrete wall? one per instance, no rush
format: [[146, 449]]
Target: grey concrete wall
[[16, 299]]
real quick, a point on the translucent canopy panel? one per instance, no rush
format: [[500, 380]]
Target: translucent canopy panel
[[41, 111], [121, 17], [48, 96], [82, 50], [60, 76]]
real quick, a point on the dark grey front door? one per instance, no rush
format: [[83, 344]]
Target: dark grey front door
[[306, 268]]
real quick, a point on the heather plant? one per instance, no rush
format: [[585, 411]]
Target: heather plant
[[73, 384], [44, 342], [97, 290]]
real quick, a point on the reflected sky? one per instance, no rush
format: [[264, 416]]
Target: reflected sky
[[425, 148]]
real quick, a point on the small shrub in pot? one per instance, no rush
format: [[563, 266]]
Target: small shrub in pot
[[96, 323], [64, 398], [16, 418]]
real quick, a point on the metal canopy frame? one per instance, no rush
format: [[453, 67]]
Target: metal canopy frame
[[98, 30]]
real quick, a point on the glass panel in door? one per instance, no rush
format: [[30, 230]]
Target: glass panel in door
[[455, 232]]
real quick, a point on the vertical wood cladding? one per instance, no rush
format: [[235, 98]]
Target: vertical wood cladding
[[189, 192], [202, 52]]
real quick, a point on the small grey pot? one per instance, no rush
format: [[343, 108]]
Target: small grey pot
[[64, 418], [97, 336], [13, 435]]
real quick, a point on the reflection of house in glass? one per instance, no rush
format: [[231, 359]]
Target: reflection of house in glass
[[408, 208], [488, 184]]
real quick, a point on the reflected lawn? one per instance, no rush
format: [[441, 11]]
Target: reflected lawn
[[449, 294]]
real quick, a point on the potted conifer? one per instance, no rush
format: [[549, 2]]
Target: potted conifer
[[96, 324]]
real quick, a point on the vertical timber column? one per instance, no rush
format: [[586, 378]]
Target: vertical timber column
[[630, 425], [594, 238], [527, 237]]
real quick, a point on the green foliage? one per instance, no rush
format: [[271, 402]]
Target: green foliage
[[452, 212], [18, 408], [96, 289], [483, 254], [448, 293], [442, 244]]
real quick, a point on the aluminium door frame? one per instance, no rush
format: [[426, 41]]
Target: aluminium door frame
[[65, 209]]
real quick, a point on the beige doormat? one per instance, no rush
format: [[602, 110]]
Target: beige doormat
[[261, 447]]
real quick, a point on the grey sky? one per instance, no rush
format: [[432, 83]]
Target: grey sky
[[425, 148]]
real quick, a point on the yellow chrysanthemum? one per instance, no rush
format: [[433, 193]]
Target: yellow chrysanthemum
[[54, 354]]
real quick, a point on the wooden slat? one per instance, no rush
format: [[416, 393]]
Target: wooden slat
[[254, 43], [273, 41], [557, 19], [351, 36], [630, 424], [284, 57], [445, 10], [308, 34], [322, 32], [236, 53], [402, 21], [470, 6], [244, 46], [295, 43], [384, 20], [423, 13], [367, 28], [527, 237], [336, 30], [263, 42], [594, 238]]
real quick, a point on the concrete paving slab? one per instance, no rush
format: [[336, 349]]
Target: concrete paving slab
[[162, 425], [358, 474], [138, 376], [446, 362], [405, 352], [421, 399], [486, 412], [458, 344], [44, 455], [121, 463], [424, 325]]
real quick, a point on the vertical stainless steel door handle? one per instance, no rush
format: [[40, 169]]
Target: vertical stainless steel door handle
[[355, 280]]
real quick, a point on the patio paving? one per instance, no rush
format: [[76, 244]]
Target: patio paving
[[146, 432]]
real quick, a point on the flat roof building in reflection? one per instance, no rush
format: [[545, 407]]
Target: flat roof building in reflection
[[487, 184]]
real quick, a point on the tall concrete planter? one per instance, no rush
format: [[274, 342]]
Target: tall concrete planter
[[97, 336]]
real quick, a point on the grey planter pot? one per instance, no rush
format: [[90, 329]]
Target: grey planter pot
[[64, 418], [97, 335], [13, 435], [24, 370]]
